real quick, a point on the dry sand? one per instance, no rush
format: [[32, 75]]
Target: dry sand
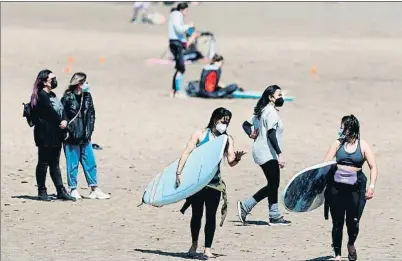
[[356, 48]]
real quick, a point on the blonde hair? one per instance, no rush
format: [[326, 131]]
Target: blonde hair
[[76, 79]]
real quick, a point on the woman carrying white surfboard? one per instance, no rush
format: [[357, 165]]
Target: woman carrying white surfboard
[[267, 153], [211, 194], [346, 190]]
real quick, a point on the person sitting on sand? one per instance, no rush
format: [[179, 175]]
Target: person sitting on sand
[[141, 8], [209, 85], [80, 111], [211, 194]]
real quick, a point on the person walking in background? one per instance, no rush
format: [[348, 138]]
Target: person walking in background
[[80, 112], [267, 153], [177, 43], [49, 130]]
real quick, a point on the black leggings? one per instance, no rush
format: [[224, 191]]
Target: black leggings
[[211, 198], [220, 93], [272, 174], [48, 157], [177, 49], [349, 200]]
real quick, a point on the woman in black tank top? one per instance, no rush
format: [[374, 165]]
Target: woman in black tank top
[[346, 190]]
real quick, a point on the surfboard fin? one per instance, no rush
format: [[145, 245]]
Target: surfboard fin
[[142, 200]]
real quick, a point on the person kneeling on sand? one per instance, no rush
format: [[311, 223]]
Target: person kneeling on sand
[[80, 111], [209, 85]]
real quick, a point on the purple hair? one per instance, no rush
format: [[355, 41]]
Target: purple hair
[[38, 85]]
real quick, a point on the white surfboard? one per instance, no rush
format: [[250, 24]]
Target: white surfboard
[[305, 191], [200, 168]]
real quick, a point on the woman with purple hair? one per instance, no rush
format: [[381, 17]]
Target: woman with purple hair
[[49, 132]]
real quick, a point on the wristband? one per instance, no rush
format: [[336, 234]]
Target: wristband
[[372, 186]]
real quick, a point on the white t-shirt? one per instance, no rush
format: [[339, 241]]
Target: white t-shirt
[[263, 150], [176, 27]]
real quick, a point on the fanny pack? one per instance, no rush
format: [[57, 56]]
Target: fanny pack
[[345, 177]]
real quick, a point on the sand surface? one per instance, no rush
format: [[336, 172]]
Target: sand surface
[[355, 47]]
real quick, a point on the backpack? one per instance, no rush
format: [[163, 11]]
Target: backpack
[[27, 113], [193, 88]]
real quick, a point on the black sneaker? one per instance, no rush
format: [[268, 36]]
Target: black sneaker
[[63, 195], [279, 222], [42, 195], [352, 254], [242, 212]]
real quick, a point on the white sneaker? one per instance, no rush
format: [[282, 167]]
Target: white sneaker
[[74, 193], [98, 194]]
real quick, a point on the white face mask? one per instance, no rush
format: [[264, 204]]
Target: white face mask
[[85, 87], [221, 128]]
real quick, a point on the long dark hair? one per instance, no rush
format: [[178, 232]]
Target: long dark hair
[[38, 85], [77, 79], [351, 128], [264, 100], [179, 7], [218, 114]]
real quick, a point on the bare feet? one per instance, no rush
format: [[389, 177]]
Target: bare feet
[[208, 253], [338, 258], [179, 95], [193, 249]]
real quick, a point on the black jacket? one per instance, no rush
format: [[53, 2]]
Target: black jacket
[[80, 130], [47, 132]]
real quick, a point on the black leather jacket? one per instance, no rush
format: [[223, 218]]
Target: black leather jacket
[[80, 130], [47, 132]]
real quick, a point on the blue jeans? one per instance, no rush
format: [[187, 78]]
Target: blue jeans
[[80, 153]]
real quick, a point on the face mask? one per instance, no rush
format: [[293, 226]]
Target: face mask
[[85, 87], [53, 83], [279, 102], [340, 133], [221, 128]]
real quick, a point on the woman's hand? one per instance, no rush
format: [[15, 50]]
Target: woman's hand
[[63, 124], [281, 161], [178, 179], [239, 155], [369, 193], [254, 134]]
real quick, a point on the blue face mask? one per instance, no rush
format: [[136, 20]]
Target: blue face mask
[[340, 133], [85, 87]]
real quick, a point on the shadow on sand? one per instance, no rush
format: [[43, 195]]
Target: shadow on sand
[[185, 255], [250, 223], [28, 197], [322, 258]]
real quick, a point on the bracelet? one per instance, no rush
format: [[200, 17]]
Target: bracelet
[[372, 186]]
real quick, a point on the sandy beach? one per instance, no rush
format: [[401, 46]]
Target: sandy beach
[[355, 48]]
